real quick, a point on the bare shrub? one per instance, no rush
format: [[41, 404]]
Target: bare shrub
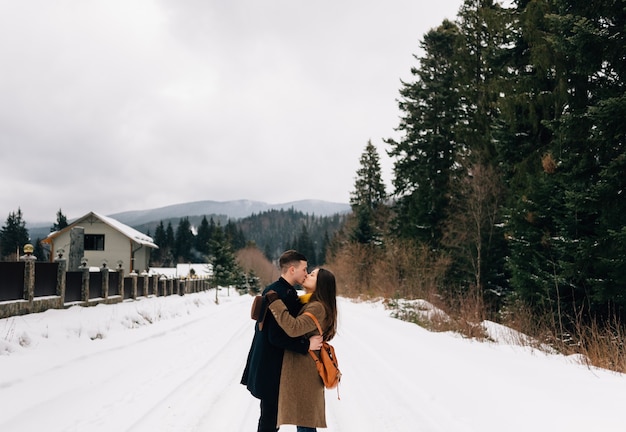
[[601, 345], [470, 231], [598, 344], [410, 270], [252, 258], [348, 265], [533, 328], [467, 307], [397, 269]]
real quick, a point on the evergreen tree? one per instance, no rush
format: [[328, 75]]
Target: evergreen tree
[[13, 235], [203, 237], [305, 246], [608, 196], [267, 251], [60, 223], [213, 227], [590, 40], [156, 255], [364, 231], [563, 227], [184, 241], [324, 248], [368, 198], [39, 251], [425, 155], [226, 272], [474, 208], [253, 282], [168, 246], [523, 140], [234, 235], [485, 35], [369, 189]]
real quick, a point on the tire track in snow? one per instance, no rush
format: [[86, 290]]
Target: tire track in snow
[[193, 404], [99, 352], [145, 382], [94, 354]]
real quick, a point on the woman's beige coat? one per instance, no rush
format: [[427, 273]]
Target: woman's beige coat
[[301, 395]]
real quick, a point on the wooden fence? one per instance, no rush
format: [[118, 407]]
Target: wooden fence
[[31, 286]]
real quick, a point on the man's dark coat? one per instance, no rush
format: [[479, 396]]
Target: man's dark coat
[[261, 375]]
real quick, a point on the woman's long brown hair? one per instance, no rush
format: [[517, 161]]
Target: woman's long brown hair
[[326, 293]]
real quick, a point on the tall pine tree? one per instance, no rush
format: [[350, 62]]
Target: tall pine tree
[[60, 223], [472, 237], [204, 235], [226, 272], [368, 198], [13, 235], [425, 154], [184, 243]]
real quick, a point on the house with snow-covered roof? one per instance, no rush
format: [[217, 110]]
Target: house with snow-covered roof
[[106, 240]]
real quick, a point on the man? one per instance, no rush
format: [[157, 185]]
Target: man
[[262, 372]]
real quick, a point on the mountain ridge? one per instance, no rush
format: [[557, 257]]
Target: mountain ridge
[[234, 209]]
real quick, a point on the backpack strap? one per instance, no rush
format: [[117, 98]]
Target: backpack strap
[[319, 328], [313, 355], [317, 323]]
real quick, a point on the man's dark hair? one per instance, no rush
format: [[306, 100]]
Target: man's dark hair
[[289, 258]]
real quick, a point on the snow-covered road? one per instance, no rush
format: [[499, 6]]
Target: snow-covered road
[[174, 364], [176, 374]]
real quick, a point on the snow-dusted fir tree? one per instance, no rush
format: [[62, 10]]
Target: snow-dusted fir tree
[[368, 197], [60, 223], [13, 235]]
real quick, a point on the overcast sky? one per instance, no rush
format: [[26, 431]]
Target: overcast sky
[[111, 106]]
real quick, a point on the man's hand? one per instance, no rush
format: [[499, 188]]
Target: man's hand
[[271, 296], [315, 342]]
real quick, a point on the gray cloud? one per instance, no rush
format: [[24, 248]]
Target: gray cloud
[[114, 106]]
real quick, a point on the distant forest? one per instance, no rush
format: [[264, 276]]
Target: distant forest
[[275, 231], [191, 239]]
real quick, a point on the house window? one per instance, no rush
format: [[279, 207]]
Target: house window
[[94, 242]]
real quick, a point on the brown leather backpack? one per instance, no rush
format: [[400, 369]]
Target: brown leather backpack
[[326, 363], [257, 310]]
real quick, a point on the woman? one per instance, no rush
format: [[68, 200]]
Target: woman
[[301, 395]]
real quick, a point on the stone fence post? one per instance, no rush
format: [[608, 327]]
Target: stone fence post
[[120, 280], [163, 286], [61, 270], [146, 283], [77, 248], [29, 281], [133, 276], [104, 271], [85, 280]]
